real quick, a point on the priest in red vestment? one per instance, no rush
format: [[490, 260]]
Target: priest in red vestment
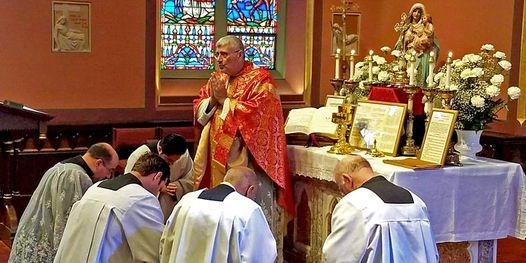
[[242, 120]]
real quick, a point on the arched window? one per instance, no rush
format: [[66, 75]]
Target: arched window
[[189, 29]]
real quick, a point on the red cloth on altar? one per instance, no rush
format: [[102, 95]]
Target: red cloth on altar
[[392, 94]]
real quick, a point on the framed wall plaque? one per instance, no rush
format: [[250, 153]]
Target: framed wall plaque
[[71, 26]]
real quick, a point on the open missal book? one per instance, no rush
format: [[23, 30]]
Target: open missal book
[[312, 121]]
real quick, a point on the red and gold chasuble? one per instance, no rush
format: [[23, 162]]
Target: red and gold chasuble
[[257, 117]]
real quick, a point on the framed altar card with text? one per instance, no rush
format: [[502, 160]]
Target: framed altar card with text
[[438, 135], [334, 101], [378, 121]]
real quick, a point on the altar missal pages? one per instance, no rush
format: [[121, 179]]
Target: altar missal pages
[[311, 120]]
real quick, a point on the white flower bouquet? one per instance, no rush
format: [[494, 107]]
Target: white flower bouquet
[[478, 78]]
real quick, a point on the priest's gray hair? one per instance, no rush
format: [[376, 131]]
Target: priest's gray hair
[[232, 42], [351, 164]]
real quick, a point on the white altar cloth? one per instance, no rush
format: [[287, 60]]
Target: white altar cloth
[[483, 200]]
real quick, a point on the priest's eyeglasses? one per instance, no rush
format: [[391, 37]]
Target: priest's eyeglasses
[[224, 55]]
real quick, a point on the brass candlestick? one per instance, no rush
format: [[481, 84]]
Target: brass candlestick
[[409, 148], [344, 120], [430, 94], [374, 152], [348, 89], [400, 78], [452, 158]]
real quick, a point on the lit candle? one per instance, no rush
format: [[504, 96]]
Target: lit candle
[[371, 65], [448, 69], [431, 68], [337, 67], [351, 66]]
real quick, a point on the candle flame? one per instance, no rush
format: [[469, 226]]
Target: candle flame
[[371, 52], [450, 54], [353, 52]]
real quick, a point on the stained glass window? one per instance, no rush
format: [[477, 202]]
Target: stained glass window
[[256, 22], [189, 28], [187, 34]]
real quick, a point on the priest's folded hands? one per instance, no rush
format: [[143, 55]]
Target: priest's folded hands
[[170, 189]]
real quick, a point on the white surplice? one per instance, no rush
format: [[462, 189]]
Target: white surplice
[[123, 225], [365, 229], [181, 172], [232, 230], [43, 221]]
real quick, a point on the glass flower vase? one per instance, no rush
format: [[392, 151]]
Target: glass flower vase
[[468, 143]]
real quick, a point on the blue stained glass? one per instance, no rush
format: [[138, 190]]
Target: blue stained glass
[[252, 16], [260, 50], [188, 34]]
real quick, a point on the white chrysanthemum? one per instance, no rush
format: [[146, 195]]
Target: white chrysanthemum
[[376, 69], [477, 72], [396, 53], [385, 49], [383, 76], [467, 73], [477, 101], [359, 65], [500, 55], [453, 87], [379, 60], [506, 65], [492, 91], [497, 79], [361, 84], [487, 47], [396, 68], [514, 92], [471, 58], [457, 63], [439, 76], [358, 74]]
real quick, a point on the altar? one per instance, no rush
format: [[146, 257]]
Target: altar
[[470, 207]]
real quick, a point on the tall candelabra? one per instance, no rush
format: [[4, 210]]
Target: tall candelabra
[[409, 148]]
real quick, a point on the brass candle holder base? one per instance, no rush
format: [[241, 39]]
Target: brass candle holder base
[[409, 149], [337, 85], [342, 148]]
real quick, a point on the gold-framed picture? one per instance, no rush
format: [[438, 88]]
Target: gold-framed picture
[[380, 122], [345, 32], [71, 26]]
